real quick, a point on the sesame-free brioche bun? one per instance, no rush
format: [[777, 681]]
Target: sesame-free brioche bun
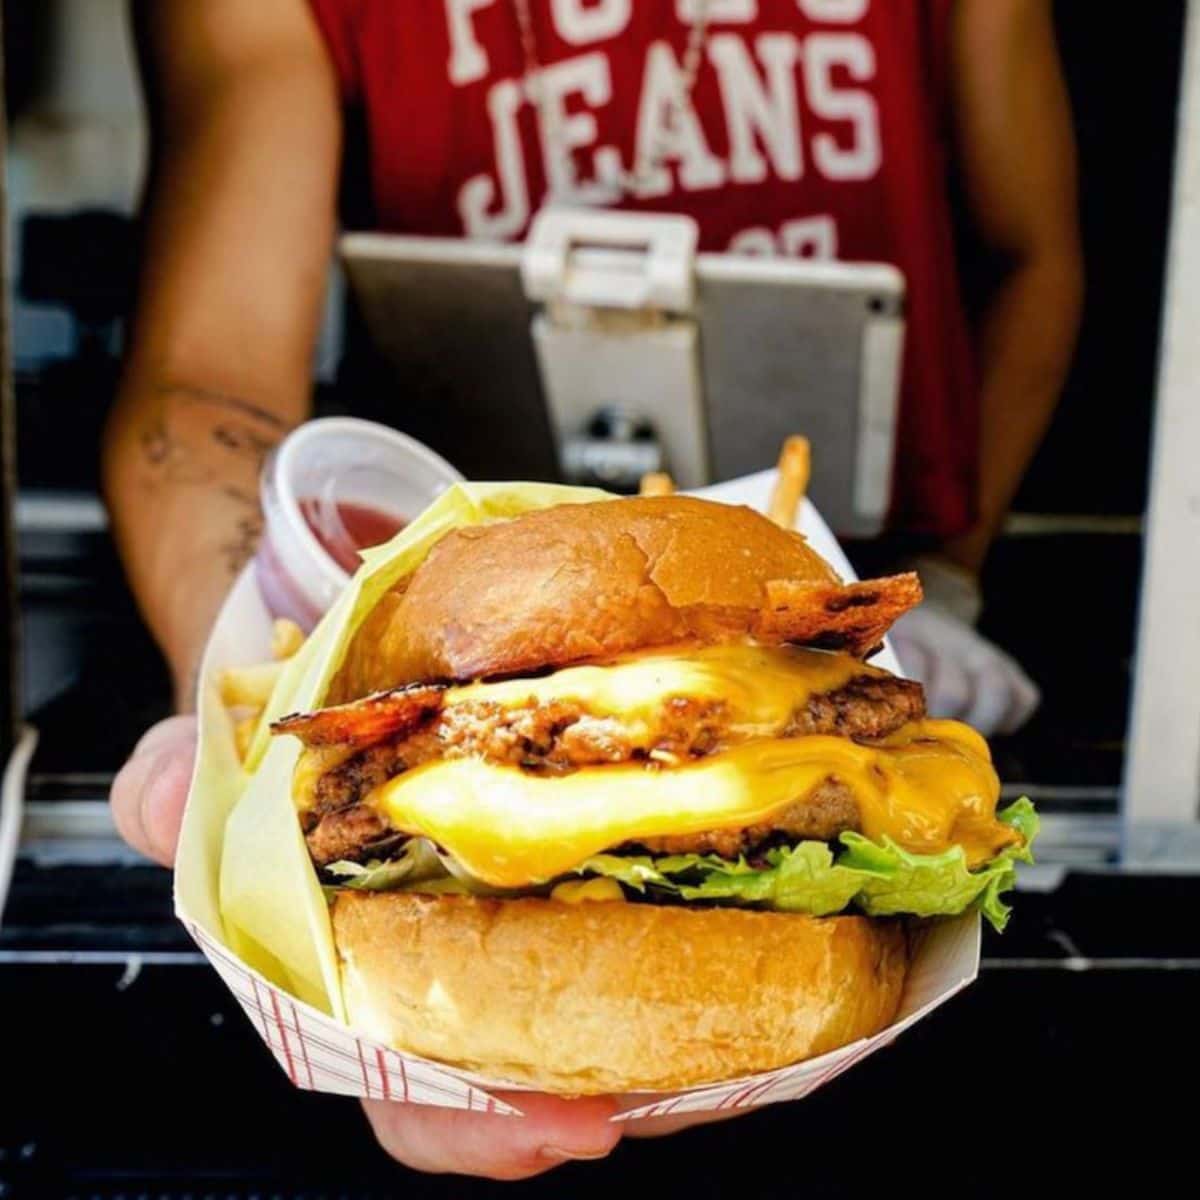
[[587, 581], [602, 997]]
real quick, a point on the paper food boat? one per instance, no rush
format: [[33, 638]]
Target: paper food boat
[[287, 981]]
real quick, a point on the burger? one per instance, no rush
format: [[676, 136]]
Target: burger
[[609, 798]]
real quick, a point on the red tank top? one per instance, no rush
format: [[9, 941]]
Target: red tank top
[[817, 129]]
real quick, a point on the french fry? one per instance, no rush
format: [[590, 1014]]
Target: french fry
[[286, 638], [243, 733], [249, 687], [795, 465], [656, 483]]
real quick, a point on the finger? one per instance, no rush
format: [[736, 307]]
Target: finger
[[150, 790], [166, 733], [551, 1131]]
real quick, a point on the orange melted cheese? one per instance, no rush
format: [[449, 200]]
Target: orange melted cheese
[[761, 687], [928, 787]]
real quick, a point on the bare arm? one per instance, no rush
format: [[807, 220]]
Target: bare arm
[[1017, 152], [247, 143]]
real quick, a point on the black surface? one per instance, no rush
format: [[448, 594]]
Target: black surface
[[77, 604], [163, 1086], [25, 30], [1042, 1071], [1065, 607], [84, 261]]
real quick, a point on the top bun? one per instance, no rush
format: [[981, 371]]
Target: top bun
[[586, 581]]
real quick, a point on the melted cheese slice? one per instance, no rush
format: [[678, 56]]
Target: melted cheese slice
[[928, 787], [761, 686]]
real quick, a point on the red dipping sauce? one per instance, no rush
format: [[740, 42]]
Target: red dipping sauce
[[331, 489], [344, 528]]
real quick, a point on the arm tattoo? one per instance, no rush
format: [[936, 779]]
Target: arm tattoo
[[205, 439], [241, 495], [194, 430], [242, 543], [195, 395]]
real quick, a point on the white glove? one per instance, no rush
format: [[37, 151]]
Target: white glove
[[965, 676]]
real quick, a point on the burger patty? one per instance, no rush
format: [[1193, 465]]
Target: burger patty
[[867, 708], [561, 736], [358, 832], [556, 737], [828, 811]]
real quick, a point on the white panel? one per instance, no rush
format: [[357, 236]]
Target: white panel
[[651, 372], [883, 345], [1163, 777]]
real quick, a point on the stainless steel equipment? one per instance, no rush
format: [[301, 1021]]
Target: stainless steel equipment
[[505, 355]]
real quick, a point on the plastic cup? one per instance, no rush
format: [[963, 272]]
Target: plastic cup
[[325, 488]]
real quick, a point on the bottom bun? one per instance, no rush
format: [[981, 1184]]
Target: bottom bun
[[611, 997]]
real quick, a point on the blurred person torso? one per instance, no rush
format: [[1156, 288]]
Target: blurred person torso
[[811, 128]]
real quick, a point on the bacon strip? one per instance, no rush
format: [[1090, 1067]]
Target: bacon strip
[[364, 722], [851, 616]]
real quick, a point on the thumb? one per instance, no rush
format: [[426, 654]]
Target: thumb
[[551, 1131], [150, 791]]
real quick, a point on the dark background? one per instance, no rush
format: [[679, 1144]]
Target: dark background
[[1122, 68]]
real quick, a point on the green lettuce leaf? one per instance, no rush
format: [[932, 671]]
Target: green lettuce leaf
[[420, 868], [939, 884], [800, 878], [879, 879], [418, 861]]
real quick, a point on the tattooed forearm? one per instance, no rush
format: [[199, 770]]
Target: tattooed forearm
[[198, 437], [241, 546], [170, 459], [240, 439], [203, 396], [241, 495]]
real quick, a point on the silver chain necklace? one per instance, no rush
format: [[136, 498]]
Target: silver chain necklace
[[645, 164]]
